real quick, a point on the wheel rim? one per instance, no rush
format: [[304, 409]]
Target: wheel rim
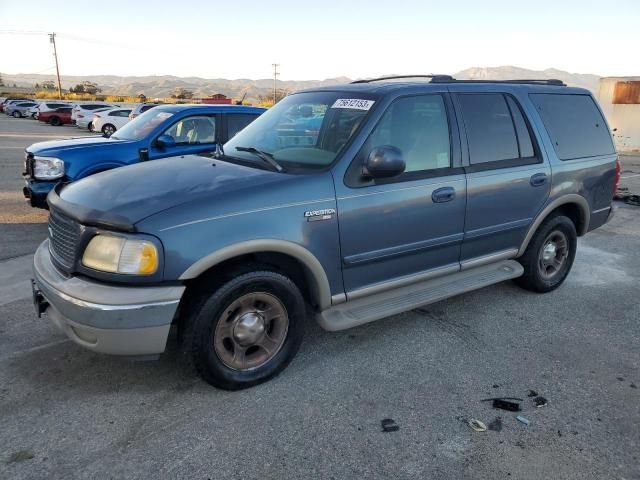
[[553, 254], [109, 130], [251, 331]]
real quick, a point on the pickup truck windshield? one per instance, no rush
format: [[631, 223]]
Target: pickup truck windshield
[[141, 126], [304, 131]]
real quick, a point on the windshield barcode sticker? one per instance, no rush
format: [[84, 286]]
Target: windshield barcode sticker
[[356, 103]]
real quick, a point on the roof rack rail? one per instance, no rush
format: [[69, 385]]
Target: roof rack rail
[[442, 78], [540, 81]]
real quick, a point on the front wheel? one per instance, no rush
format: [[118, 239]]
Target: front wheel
[[549, 256], [108, 130], [55, 121], [16, 115], [246, 331]]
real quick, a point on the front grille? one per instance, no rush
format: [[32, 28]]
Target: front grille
[[28, 164], [64, 237]]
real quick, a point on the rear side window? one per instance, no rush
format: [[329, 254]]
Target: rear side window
[[236, 122], [146, 107], [490, 129], [575, 125]]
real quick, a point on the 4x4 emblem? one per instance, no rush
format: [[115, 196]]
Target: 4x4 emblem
[[315, 215]]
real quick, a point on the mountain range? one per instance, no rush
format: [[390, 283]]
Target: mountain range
[[254, 90]]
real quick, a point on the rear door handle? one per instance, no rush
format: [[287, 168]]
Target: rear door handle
[[538, 179], [444, 194]]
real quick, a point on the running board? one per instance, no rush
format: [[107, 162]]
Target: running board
[[398, 300]]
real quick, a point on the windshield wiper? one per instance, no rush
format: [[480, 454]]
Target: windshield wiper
[[262, 155]]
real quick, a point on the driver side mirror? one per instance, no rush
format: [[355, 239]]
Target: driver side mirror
[[384, 162], [164, 141]]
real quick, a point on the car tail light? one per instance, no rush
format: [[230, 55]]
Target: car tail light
[[618, 171]]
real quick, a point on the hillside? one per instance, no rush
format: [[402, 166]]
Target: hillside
[[163, 86]]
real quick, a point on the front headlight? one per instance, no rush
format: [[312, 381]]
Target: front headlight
[[121, 255], [47, 168]]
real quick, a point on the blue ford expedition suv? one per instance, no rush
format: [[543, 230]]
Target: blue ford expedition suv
[[164, 131], [345, 204]]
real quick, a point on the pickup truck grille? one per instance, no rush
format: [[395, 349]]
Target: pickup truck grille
[[64, 237]]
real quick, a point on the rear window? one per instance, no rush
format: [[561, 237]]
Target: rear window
[[575, 125], [237, 121]]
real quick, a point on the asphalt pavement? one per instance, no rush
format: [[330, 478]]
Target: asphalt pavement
[[69, 413]]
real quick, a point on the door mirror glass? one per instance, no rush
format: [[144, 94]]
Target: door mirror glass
[[383, 162], [164, 141]]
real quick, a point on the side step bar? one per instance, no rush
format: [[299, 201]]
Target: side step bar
[[390, 302]]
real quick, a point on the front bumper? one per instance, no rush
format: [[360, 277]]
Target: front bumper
[[118, 320], [36, 192]]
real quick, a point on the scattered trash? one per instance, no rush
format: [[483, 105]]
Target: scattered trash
[[505, 405], [633, 385], [20, 456], [539, 401], [532, 393], [496, 425], [477, 425], [523, 420], [495, 385], [389, 425], [623, 195], [620, 379]]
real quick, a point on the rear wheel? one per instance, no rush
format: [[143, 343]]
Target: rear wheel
[[16, 114], [55, 121], [246, 331], [549, 256], [90, 126], [108, 130]]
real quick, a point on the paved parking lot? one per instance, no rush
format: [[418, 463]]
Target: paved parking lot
[[69, 413]]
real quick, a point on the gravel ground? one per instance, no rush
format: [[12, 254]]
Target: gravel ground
[[68, 413]]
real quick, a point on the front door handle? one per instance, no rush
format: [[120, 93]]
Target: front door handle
[[444, 194], [538, 179]]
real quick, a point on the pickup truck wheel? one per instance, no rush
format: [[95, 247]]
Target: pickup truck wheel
[[245, 332], [54, 121], [549, 256], [108, 130]]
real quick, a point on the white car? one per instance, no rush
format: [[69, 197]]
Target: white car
[[85, 120], [109, 121], [86, 109]]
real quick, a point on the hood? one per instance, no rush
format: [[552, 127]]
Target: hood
[[60, 146], [123, 196]]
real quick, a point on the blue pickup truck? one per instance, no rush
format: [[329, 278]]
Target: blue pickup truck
[[161, 132]]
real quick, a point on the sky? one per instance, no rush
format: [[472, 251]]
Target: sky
[[318, 39]]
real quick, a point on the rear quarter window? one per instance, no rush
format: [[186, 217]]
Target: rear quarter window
[[575, 125]]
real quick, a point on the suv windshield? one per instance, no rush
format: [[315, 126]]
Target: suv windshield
[[305, 131], [141, 126]]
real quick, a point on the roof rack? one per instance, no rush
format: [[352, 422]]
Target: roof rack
[[450, 79], [394, 77], [540, 81]]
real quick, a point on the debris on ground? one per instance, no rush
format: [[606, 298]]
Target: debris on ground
[[477, 425], [523, 420], [20, 456], [532, 393], [623, 195], [539, 401], [496, 425], [389, 425], [506, 405]]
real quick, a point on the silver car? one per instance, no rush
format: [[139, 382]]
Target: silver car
[[19, 110]]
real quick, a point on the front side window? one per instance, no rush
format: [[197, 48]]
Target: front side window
[[418, 127], [193, 130], [304, 131]]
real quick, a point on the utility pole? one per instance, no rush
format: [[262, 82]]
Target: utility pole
[[275, 77], [52, 40]]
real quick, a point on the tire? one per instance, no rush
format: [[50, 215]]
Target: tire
[[108, 130], [16, 115], [549, 257], [231, 340], [90, 126], [55, 121]]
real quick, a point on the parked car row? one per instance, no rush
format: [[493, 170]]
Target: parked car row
[[342, 204], [102, 117]]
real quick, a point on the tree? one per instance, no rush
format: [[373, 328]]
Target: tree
[[182, 93], [48, 85], [1, 82], [86, 87], [37, 86]]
